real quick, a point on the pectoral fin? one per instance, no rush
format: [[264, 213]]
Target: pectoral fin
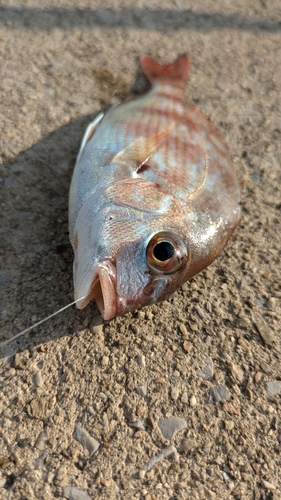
[[141, 150]]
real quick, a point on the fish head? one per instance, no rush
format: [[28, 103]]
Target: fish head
[[130, 251], [140, 272]]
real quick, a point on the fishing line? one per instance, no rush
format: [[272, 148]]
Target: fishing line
[[27, 330]]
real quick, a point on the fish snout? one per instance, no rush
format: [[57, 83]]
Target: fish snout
[[102, 289]]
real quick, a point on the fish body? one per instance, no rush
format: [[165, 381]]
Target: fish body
[[154, 197]]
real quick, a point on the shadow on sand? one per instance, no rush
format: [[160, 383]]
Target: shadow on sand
[[36, 277], [36, 18]]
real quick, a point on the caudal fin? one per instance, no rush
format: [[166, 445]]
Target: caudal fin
[[173, 74]]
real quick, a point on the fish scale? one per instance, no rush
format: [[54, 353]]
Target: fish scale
[[151, 173], [178, 147]]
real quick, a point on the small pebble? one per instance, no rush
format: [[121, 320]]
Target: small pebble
[[271, 303], [267, 335], [4, 280], [184, 398], [10, 373], [218, 394], [105, 361], [193, 401], [269, 486], [96, 325], [244, 344], [258, 377], [229, 425], [37, 379], [59, 357], [141, 360], [225, 476], [137, 425], [39, 461], [60, 474], [193, 327], [37, 408], [273, 388], [187, 444], [183, 329], [237, 372], [84, 438], [41, 441], [171, 426], [141, 474], [7, 423], [174, 393], [265, 368], [164, 453], [208, 370], [4, 461], [187, 346], [199, 311], [8, 181], [140, 410], [91, 410], [73, 493], [141, 390], [3, 306], [20, 363], [25, 216], [230, 409], [168, 356]]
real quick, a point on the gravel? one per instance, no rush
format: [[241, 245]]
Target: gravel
[[170, 426], [273, 388], [267, 334], [83, 437], [218, 394], [59, 67], [164, 453], [73, 493], [208, 371]]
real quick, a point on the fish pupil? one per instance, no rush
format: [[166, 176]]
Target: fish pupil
[[163, 251]]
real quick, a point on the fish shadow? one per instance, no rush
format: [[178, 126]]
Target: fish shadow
[[36, 277]]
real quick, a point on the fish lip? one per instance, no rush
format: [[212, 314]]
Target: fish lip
[[102, 290]]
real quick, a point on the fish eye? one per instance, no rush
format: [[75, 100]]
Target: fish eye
[[163, 250], [166, 253]]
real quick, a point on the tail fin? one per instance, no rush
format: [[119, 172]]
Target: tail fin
[[174, 74]]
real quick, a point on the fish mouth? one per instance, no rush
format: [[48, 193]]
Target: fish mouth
[[102, 289]]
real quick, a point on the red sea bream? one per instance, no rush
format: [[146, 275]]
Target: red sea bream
[[154, 197]]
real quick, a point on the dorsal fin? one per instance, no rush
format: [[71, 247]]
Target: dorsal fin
[[88, 133], [173, 74]]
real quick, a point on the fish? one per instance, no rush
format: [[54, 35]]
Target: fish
[[154, 196]]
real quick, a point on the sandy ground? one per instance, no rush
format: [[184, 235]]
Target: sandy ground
[[88, 409]]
